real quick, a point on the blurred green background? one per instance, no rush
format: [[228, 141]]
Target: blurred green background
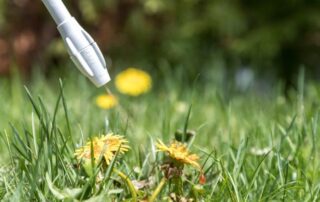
[[242, 43], [227, 61]]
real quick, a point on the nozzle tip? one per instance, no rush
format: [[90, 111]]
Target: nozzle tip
[[101, 80]]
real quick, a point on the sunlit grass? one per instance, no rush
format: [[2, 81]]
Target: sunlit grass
[[251, 147]]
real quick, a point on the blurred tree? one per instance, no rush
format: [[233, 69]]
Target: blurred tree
[[196, 35], [26, 32]]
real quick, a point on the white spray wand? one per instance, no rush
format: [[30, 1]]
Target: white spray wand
[[82, 49]]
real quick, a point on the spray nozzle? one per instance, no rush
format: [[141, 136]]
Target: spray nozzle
[[83, 50]]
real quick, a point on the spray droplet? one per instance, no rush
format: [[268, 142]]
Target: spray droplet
[[108, 90]]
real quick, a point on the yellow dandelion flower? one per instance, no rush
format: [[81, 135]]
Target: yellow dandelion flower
[[179, 152], [104, 147], [106, 101], [133, 82]]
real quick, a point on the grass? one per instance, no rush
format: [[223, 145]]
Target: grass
[[253, 147]]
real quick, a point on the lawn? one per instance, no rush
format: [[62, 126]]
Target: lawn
[[252, 145]]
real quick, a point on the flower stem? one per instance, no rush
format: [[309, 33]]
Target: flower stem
[[177, 181], [158, 190], [129, 183]]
